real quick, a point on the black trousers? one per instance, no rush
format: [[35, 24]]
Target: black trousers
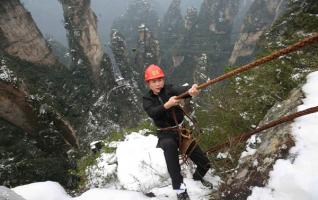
[[171, 154]]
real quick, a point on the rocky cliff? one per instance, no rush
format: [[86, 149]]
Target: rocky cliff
[[120, 51], [139, 26], [50, 104], [20, 37], [216, 19], [260, 17], [147, 51], [33, 134], [208, 33], [138, 12], [16, 108], [53, 97], [84, 42], [171, 31], [120, 106], [172, 24], [190, 18], [262, 95], [272, 144]]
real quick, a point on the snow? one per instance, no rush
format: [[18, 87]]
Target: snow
[[297, 177], [95, 194], [98, 175], [250, 147], [6, 74], [42, 191], [148, 163], [136, 168], [223, 155]]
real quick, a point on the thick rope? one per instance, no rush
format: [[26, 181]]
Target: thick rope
[[244, 136], [302, 43]]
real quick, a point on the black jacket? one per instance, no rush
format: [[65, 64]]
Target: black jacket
[[153, 105]]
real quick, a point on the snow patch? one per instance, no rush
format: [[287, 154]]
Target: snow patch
[[297, 178]]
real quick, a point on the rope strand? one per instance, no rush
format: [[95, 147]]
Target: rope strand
[[244, 136], [302, 43]]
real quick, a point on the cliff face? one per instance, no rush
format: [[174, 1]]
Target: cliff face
[[120, 51], [86, 94], [206, 33], [216, 18], [20, 37], [34, 138], [128, 75], [260, 17], [120, 105], [147, 51], [262, 95], [171, 31], [219, 15], [190, 18], [139, 26], [16, 108], [138, 12], [86, 48], [272, 144], [171, 27]]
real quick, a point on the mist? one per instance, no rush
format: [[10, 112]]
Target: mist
[[48, 15]]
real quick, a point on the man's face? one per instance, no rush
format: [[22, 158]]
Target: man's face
[[156, 85]]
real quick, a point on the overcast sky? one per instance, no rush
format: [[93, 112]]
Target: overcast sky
[[48, 15]]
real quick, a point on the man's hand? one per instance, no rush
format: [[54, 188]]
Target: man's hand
[[171, 102], [193, 91]]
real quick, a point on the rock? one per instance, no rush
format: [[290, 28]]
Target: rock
[[20, 37], [271, 144], [138, 12], [15, 108], [81, 24], [205, 34], [253, 27]]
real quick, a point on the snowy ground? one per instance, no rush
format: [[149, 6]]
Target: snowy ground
[[137, 168], [297, 177], [141, 168]]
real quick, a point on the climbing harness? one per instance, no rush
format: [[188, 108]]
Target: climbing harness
[[187, 142]]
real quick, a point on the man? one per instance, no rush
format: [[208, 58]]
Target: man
[[161, 104]]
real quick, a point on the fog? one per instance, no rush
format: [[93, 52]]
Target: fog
[[48, 15]]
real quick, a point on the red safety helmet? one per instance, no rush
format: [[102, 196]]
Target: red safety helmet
[[153, 72]]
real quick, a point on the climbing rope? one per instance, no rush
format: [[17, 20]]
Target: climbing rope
[[302, 43], [244, 136]]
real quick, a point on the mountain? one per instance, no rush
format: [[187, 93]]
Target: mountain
[[208, 35], [51, 102], [254, 25], [46, 107], [15, 21]]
